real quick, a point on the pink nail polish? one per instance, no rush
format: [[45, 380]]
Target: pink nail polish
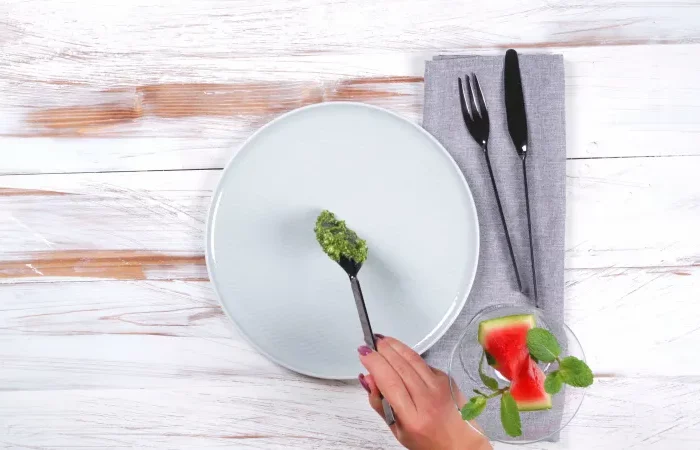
[[363, 382], [364, 350]]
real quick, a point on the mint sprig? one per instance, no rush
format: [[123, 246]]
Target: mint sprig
[[474, 407], [488, 381], [553, 383], [543, 345], [575, 372], [510, 416]]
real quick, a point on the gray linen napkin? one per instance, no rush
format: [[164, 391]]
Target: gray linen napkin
[[543, 86]]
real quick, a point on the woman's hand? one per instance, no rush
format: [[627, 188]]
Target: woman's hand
[[426, 416]]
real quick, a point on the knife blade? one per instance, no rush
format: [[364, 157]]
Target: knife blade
[[370, 340], [515, 103]]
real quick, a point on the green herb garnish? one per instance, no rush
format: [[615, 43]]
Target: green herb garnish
[[488, 381], [553, 383], [543, 346], [575, 372], [473, 408], [572, 371], [337, 240], [510, 416]]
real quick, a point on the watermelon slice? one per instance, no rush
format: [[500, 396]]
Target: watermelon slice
[[527, 388], [505, 339]]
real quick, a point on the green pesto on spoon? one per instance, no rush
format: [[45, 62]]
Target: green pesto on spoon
[[345, 247]]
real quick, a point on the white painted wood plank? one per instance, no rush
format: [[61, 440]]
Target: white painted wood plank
[[621, 101], [117, 334], [131, 308], [636, 322], [83, 363], [635, 413], [632, 212], [620, 213], [153, 33]]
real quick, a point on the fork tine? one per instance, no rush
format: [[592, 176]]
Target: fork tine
[[475, 112], [469, 119], [480, 98], [465, 112]]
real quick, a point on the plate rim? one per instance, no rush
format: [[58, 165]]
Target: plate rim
[[448, 319]]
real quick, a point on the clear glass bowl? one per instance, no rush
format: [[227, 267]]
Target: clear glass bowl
[[464, 373]]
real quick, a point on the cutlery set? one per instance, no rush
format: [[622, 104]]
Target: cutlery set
[[477, 123]]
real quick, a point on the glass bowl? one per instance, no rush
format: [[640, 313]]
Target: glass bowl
[[464, 374]]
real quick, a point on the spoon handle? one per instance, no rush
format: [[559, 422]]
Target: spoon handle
[[369, 338]]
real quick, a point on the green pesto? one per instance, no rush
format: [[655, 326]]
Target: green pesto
[[338, 240]]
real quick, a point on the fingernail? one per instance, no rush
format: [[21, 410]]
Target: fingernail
[[379, 336], [363, 382], [364, 350]]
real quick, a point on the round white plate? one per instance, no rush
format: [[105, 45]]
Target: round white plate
[[393, 183]]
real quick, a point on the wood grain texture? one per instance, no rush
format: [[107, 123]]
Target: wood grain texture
[[117, 364], [621, 213], [621, 101], [624, 304], [110, 335], [186, 416], [114, 264]]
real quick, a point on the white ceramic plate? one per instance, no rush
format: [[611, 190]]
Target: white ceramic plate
[[393, 183]]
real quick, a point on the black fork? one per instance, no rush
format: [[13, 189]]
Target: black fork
[[477, 123]]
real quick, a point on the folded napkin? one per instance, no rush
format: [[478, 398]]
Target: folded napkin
[[543, 86]]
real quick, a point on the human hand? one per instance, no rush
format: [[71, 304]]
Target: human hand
[[426, 416]]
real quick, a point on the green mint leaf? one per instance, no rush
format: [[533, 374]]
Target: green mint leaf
[[489, 382], [490, 359], [542, 345], [473, 408], [553, 383], [575, 372], [510, 417]]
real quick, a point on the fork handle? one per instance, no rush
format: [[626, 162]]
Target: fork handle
[[503, 218]]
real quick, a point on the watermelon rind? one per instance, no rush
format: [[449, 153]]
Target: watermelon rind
[[504, 322], [539, 405]]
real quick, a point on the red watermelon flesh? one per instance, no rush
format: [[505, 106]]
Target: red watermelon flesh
[[527, 388], [505, 339]]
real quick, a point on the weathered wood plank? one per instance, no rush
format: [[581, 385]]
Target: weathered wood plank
[[252, 413], [152, 35], [630, 322], [198, 120], [621, 213]]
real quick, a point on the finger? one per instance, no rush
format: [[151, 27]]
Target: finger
[[414, 383], [388, 381], [421, 367], [460, 399], [375, 399]]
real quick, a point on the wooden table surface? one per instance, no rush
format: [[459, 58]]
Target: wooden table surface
[[117, 120]]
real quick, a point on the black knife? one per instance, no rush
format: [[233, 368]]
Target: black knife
[[517, 127]]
